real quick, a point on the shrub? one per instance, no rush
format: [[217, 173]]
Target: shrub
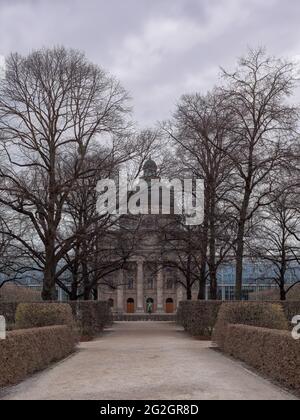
[[25, 352], [92, 316], [291, 309], [34, 315], [264, 315], [198, 317], [274, 353], [8, 310]]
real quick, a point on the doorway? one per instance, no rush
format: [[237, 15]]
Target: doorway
[[169, 306], [130, 306]]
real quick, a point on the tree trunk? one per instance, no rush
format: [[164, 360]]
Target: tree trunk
[[189, 294], [87, 287], [282, 293], [239, 266], [202, 282], [212, 256], [49, 289], [74, 288], [188, 278], [204, 241], [213, 285], [240, 245]]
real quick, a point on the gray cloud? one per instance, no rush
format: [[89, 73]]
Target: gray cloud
[[159, 49]]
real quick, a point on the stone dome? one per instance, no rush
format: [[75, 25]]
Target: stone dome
[[150, 169]]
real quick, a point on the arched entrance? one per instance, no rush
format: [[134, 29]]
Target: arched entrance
[[111, 303], [169, 306], [130, 306], [150, 303]]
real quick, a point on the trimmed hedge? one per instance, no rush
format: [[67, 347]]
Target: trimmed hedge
[[198, 317], [8, 310], [93, 316], [264, 315], [272, 352], [291, 309], [35, 315], [25, 352]]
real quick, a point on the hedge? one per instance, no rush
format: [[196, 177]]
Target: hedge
[[274, 353], [25, 352], [291, 309], [8, 310], [92, 316], [264, 315], [34, 315], [198, 317]]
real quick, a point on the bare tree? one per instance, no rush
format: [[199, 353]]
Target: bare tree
[[274, 240], [180, 250], [256, 96], [200, 132], [54, 105], [103, 243], [99, 246]]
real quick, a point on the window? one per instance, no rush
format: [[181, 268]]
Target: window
[[130, 276], [130, 283], [150, 273], [150, 282], [170, 283]]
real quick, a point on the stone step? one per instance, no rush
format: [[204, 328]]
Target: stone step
[[144, 317]]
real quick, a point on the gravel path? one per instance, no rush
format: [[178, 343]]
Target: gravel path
[[144, 360]]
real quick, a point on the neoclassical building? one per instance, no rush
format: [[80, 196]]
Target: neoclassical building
[[145, 278]]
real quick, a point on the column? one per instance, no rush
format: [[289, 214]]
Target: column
[[160, 289], [140, 286], [120, 293]]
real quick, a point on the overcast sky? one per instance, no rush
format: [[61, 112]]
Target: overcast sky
[[159, 49]]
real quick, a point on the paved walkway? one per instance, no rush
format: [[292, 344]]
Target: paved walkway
[[146, 361]]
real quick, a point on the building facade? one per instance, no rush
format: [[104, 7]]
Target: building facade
[[143, 280]]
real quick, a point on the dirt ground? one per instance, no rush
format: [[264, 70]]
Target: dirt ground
[[145, 361]]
